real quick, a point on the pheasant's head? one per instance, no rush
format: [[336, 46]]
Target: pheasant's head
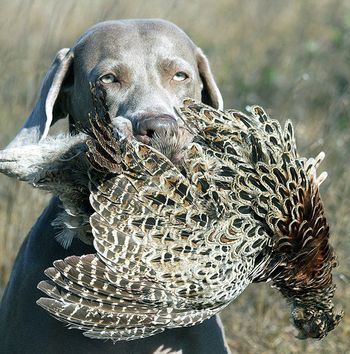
[[314, 323]]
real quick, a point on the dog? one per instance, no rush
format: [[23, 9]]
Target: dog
[[146, 68]]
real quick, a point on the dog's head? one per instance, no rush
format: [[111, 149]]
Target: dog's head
[[146, 67]]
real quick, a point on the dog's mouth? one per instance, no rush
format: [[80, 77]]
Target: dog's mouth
[[170, 139], [145, 138], [172, 143]]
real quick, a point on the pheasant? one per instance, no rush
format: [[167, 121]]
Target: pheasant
[[178, 239]]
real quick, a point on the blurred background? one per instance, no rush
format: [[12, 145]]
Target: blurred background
[[291, 57]]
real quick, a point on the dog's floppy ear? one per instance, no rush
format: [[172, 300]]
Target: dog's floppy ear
[[43, 114], [210, 92]]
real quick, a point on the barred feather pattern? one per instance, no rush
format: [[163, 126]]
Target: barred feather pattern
[[175, 244]]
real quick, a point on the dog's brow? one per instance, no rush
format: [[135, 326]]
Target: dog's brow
[[109, 65], [177, 63]]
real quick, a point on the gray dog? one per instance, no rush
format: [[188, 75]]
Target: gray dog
[[147, 68]]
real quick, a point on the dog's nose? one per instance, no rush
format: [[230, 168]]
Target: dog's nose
[[146, 126]]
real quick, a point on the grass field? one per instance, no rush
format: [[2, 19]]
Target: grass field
[[291, 57]]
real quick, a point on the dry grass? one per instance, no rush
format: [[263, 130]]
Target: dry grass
[[291, 57]]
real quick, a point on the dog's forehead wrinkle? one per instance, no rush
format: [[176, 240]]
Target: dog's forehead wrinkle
[[144, 28], [174, 63], [149, 24], [136, 39]]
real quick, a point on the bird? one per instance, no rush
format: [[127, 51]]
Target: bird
[[181, 227]]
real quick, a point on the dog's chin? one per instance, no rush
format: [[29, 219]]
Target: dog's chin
[[171, 143], [145, 139]]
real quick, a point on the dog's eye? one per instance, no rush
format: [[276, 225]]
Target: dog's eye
[[180, 76], [108, 78]]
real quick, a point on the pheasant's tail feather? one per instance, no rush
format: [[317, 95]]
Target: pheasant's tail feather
[[87, 295]]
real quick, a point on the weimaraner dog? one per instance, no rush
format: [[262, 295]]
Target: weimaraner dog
[[147, 67]]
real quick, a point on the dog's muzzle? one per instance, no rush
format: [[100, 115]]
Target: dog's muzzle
[[146, 126]]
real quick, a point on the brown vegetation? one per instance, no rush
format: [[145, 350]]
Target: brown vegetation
[[291, 57]]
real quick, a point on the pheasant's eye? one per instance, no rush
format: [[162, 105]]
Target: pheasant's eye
[[180, 76], [108, 79]]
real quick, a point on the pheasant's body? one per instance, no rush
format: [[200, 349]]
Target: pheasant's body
[[176, 243]]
